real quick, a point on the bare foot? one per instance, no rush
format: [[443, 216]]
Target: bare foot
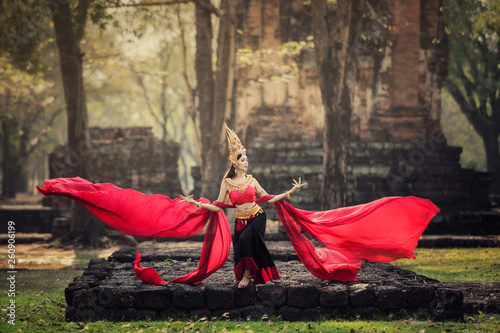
[[244, 282]]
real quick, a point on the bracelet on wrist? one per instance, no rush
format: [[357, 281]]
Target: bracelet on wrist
[[199, 204], [287, 194]]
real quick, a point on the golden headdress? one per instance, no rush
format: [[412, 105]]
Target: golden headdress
[[235, 146]]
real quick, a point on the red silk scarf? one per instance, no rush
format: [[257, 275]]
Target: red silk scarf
[[383, 230]]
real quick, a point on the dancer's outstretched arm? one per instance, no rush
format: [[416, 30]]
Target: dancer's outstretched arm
[[213, 208], [296, 186]]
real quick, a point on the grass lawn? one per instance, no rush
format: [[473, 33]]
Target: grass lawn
[[460, 264], [40, 303]]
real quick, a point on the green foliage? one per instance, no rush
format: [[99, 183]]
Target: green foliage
[[26, 119], [293, 48], [169, 261], [30, 87], [24, 26], [473, 31], [120, 45], [98, 13], [134, 75], [27, 25]]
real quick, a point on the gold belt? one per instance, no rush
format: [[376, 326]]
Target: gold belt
[[245, 215]]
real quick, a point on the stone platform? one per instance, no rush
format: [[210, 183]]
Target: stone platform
[[110, 290]]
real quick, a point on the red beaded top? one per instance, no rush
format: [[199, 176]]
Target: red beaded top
[[238, 198]]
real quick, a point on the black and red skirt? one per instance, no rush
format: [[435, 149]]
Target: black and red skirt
[[250, 251]]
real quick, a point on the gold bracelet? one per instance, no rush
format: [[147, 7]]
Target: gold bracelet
[[287, 195], [199, 203]]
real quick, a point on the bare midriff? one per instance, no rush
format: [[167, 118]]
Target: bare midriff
[[246, 206]]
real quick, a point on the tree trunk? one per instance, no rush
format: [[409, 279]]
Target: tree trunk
[[204, 75], [164, 108], [213, 132], [11, 172], [85, 228], [10, 181], [337, 70], [10, 159]]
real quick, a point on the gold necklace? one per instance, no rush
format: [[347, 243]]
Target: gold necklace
[[241, 187]]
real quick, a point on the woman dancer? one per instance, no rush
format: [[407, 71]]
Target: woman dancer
[[251, 257], [382, 230]]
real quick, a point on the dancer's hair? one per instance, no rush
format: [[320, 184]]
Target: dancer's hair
[[232, 170]]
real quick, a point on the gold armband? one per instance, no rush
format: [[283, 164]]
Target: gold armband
[[199, 203], [287, 195]]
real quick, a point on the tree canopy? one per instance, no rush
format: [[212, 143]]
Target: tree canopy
[[473, 30]]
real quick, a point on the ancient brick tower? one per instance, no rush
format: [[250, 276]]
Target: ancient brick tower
[[398, 147], [402, 69]]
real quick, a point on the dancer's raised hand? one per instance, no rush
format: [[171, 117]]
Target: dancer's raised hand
[[297, 185], [188, 199]]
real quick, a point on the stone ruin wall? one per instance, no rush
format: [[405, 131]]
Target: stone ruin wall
[[129, 157], [397, 148]]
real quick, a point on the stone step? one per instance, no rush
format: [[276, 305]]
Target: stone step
[[110, 290]]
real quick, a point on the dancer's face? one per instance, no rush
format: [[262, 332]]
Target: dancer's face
[[243, 163]]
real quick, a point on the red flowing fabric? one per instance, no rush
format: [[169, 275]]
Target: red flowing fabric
[[137, 214], [383, 230]]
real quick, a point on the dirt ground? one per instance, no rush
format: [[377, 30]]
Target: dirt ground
[[45, 256]]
